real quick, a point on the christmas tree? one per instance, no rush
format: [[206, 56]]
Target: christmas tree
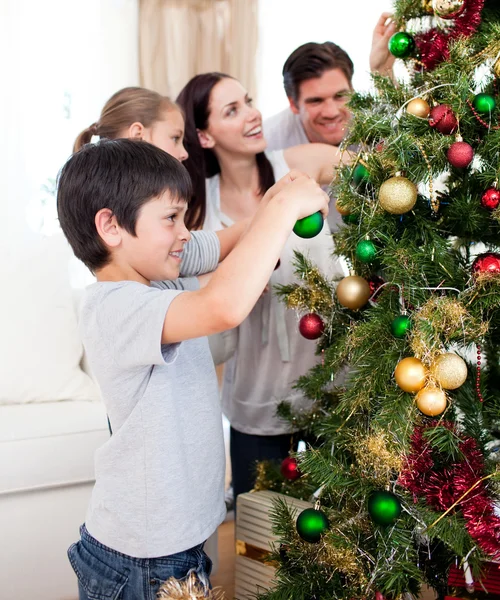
[[406, 399]]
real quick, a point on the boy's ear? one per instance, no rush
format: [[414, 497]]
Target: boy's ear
[[107, 228], [206, 140], [136, 131], [293, 107]]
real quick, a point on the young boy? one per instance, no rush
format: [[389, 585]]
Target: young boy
[[159, 490]]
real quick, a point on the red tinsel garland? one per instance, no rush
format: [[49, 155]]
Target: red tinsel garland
[[433, 45], [444, 484]]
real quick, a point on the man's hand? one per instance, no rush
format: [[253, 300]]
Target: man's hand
[[381, 60]]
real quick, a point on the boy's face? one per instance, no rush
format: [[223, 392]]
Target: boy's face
[[155, 252]]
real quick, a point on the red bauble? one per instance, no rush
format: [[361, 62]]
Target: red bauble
[[443, 120], [460, 155], [488, 263], [490, 199], [289, 469], [374, 281], [311, 326]]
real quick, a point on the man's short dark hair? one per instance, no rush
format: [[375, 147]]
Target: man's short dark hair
[[121, 175], [312, 60]]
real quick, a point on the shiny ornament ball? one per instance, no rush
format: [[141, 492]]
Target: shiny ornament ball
[[397, 195], [418, 107], [353, 292], [443, 120], [366, 251], [487, 263], [360, 174], [310, 226], [410, 374], [401, 44], [484, 103], [401, 326], [490, 199], [311, 326], [311, 524], [342, 210], [431, 401], [351, 219], [460, 155], [449, 370], [448, 9], [289, 468], [384, 507]]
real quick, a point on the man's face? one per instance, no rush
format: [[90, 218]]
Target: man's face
[[322, 107]]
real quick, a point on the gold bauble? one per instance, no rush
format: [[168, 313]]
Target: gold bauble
[[397, 195], [418, 107], [448, 9], [431, 401], [410, 374], [353, 292], [449, 370], [341, 209]]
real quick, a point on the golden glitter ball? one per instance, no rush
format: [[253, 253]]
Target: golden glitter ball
[[418, 107], [448, 9], [410, 374], [397, 195], [431, 401], [353, 292], [341, 209], [449, 370]]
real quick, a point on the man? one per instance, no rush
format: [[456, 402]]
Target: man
[[318, 80]]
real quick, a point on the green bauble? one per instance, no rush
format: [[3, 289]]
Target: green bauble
[[401, 326], [366, 251], [484, 103], [401, 44], [311, 524], [384, 507], [360, 174], [352, 219], [310, 226]]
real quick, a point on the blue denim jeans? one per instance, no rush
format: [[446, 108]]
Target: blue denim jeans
[[104, 574]]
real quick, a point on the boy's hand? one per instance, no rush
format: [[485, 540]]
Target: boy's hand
[[280, 184], [304, 196]]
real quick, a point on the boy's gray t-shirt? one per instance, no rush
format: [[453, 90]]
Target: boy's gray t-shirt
[[160, 477]]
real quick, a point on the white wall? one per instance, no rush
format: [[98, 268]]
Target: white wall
[[286, 24], [61, 60]]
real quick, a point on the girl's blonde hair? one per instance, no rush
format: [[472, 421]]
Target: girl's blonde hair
[[127, 106]]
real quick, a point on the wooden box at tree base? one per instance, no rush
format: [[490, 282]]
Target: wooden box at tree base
[[253, 571]]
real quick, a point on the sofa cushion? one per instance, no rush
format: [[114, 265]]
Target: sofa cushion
[[40, 348], [49, 444]]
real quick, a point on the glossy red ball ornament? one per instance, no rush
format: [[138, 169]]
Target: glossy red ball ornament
[[488, 263], [443, 120], [490, 199], [460, 155], [311, 326], [289, 468]]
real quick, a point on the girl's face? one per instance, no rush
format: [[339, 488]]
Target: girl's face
[[233, 124], [168, 134]]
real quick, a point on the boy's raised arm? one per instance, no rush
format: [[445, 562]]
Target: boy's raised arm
[[237, 284]]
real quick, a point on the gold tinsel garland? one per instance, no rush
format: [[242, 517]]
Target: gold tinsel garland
[[437, 321], [189, 589], [376, 458], [315, 295], [343, 560]]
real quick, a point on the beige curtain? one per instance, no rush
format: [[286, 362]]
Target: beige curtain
[[182, 38]]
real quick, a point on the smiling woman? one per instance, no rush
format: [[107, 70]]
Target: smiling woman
[[231, 171]]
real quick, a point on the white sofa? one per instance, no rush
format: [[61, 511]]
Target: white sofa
[[51, 423]]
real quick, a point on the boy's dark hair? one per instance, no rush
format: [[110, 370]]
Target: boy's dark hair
[[121, 175], [312, 60]]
